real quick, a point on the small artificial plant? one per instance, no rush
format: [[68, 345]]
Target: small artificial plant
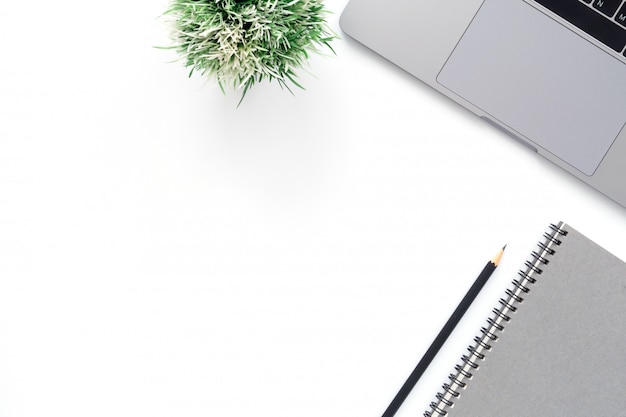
[[242, 42]]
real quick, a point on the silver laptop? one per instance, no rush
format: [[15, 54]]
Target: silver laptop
[[551, 73]]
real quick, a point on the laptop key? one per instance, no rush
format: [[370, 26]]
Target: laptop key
[[608, 7], [589, 21], [621, 16]]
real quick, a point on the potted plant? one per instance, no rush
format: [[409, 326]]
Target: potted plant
[[242, 42]]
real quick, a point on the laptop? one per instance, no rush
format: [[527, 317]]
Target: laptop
[[550, 73]]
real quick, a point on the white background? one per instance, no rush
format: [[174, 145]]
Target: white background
[[165, 253]]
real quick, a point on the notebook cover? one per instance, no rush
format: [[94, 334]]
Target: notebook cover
[[563, 351]]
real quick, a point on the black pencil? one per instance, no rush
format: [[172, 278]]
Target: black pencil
[[443, 335]]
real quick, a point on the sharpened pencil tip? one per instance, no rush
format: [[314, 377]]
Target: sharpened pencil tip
[[496, 259]]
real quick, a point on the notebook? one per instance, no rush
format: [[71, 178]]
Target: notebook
[[554, 344], [550, 73]]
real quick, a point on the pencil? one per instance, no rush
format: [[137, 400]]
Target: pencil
[[443, 335]]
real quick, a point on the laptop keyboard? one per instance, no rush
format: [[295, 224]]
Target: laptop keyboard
[[604, 20]]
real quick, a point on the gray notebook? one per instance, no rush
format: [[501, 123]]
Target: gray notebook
[[555, 345]]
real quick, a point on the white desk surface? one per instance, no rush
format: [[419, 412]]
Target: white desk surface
[[163, 253]]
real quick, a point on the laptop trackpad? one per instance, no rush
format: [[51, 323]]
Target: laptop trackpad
[[541, 80]]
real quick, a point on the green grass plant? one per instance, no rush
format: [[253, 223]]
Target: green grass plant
[[243, 42]]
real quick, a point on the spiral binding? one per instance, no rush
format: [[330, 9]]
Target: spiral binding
[[514, 296]]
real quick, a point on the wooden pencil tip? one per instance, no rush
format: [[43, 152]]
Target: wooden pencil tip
[[496, 259]]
